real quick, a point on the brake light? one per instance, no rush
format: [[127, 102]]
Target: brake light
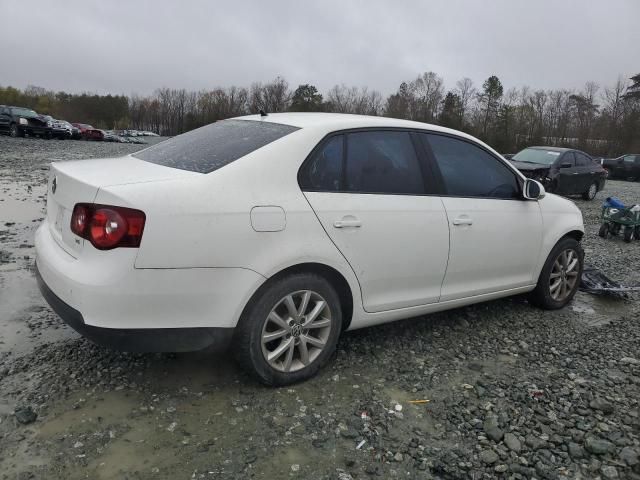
[[108, 227]]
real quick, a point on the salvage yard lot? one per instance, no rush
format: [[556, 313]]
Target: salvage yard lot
[[512, 391]]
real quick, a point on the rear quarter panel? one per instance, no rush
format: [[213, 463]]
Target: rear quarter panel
[[205, 221]]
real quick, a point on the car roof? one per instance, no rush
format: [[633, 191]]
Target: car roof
[[341, 121]]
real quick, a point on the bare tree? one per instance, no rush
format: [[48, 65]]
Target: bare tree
[[467, 92]]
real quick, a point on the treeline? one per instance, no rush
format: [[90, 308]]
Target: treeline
[[602, 120], [104, 111]]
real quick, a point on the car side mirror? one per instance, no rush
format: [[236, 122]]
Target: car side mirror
[[565, 165], [532, 190]]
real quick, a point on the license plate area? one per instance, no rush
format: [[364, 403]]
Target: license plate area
[[59, 219]]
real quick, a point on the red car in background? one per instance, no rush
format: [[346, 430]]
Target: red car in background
[[87, 132]]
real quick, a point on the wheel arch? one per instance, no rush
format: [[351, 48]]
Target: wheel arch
[[333, 276], [575, 234]]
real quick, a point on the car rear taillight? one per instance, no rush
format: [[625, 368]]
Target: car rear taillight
[[107, 226]]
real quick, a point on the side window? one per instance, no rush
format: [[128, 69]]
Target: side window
[[323, 171], [629, 159], [382, 162], [582, 160], [568, 158], [469, 171]]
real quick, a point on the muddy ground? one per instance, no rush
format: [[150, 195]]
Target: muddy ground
[[511, 391]]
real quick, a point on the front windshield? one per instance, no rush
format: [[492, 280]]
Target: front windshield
[[24, 112], [536, 155]]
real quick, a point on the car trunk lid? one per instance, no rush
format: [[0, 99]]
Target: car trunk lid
[[79, 182]]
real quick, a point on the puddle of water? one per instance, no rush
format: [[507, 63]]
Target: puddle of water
[[13, 210], [597, 310], [20, 202], [22, 307]]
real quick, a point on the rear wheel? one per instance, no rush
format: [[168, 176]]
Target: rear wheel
[[560, 276], [637, 233], [289, 329], [629, 234], [591, 192]]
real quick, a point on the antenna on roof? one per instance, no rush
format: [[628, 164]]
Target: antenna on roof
[[263, 113]]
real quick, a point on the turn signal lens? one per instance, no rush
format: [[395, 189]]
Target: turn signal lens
[[79, 219], [107, 226]]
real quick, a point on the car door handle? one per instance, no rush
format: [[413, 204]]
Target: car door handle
[[462, 221], [347, 223]]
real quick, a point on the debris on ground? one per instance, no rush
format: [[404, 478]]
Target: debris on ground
[[25, 415], [595, 282]]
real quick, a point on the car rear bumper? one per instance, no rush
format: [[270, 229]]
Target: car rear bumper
[[142, 339], [105, 298]]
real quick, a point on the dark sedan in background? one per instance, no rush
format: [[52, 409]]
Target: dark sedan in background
[[626, 166], [562, 170], [18, 122]]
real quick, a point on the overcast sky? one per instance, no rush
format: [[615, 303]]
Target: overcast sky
[[138, 46]]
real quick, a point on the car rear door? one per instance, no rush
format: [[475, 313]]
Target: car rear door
[[567, 180], [586, 172], [495, 235], [371, 190]]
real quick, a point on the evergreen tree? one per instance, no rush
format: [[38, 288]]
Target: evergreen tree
[[306, 99]]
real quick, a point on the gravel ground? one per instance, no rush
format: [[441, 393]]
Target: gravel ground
[[506, 390]]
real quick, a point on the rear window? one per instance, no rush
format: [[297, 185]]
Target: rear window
[[213, 146]]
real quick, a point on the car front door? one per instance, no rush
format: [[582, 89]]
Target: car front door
[[371, 192], [495, 235], [628, 166]]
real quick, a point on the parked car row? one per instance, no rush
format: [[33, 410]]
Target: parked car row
[[20, 122]]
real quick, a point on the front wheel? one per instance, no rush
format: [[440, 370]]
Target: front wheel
[[591, 192], [560, 276], [14, 131], [604, 230], [289, 329]]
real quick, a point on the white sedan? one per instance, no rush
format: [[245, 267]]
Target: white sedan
[[273, 234]]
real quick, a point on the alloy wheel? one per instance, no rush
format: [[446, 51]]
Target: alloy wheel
[[296, 331], [593, 190], [564, 274]]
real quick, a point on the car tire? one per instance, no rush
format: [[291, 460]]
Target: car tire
[[549, 294], [295, 352], [591, 192], [629, 234], [14, 131], [604, 230]]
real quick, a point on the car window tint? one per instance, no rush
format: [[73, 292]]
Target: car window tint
[[213, 146], [323, 171], [382, 162], [470, 171], [568, 158], [629, 158], [582, 160]]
